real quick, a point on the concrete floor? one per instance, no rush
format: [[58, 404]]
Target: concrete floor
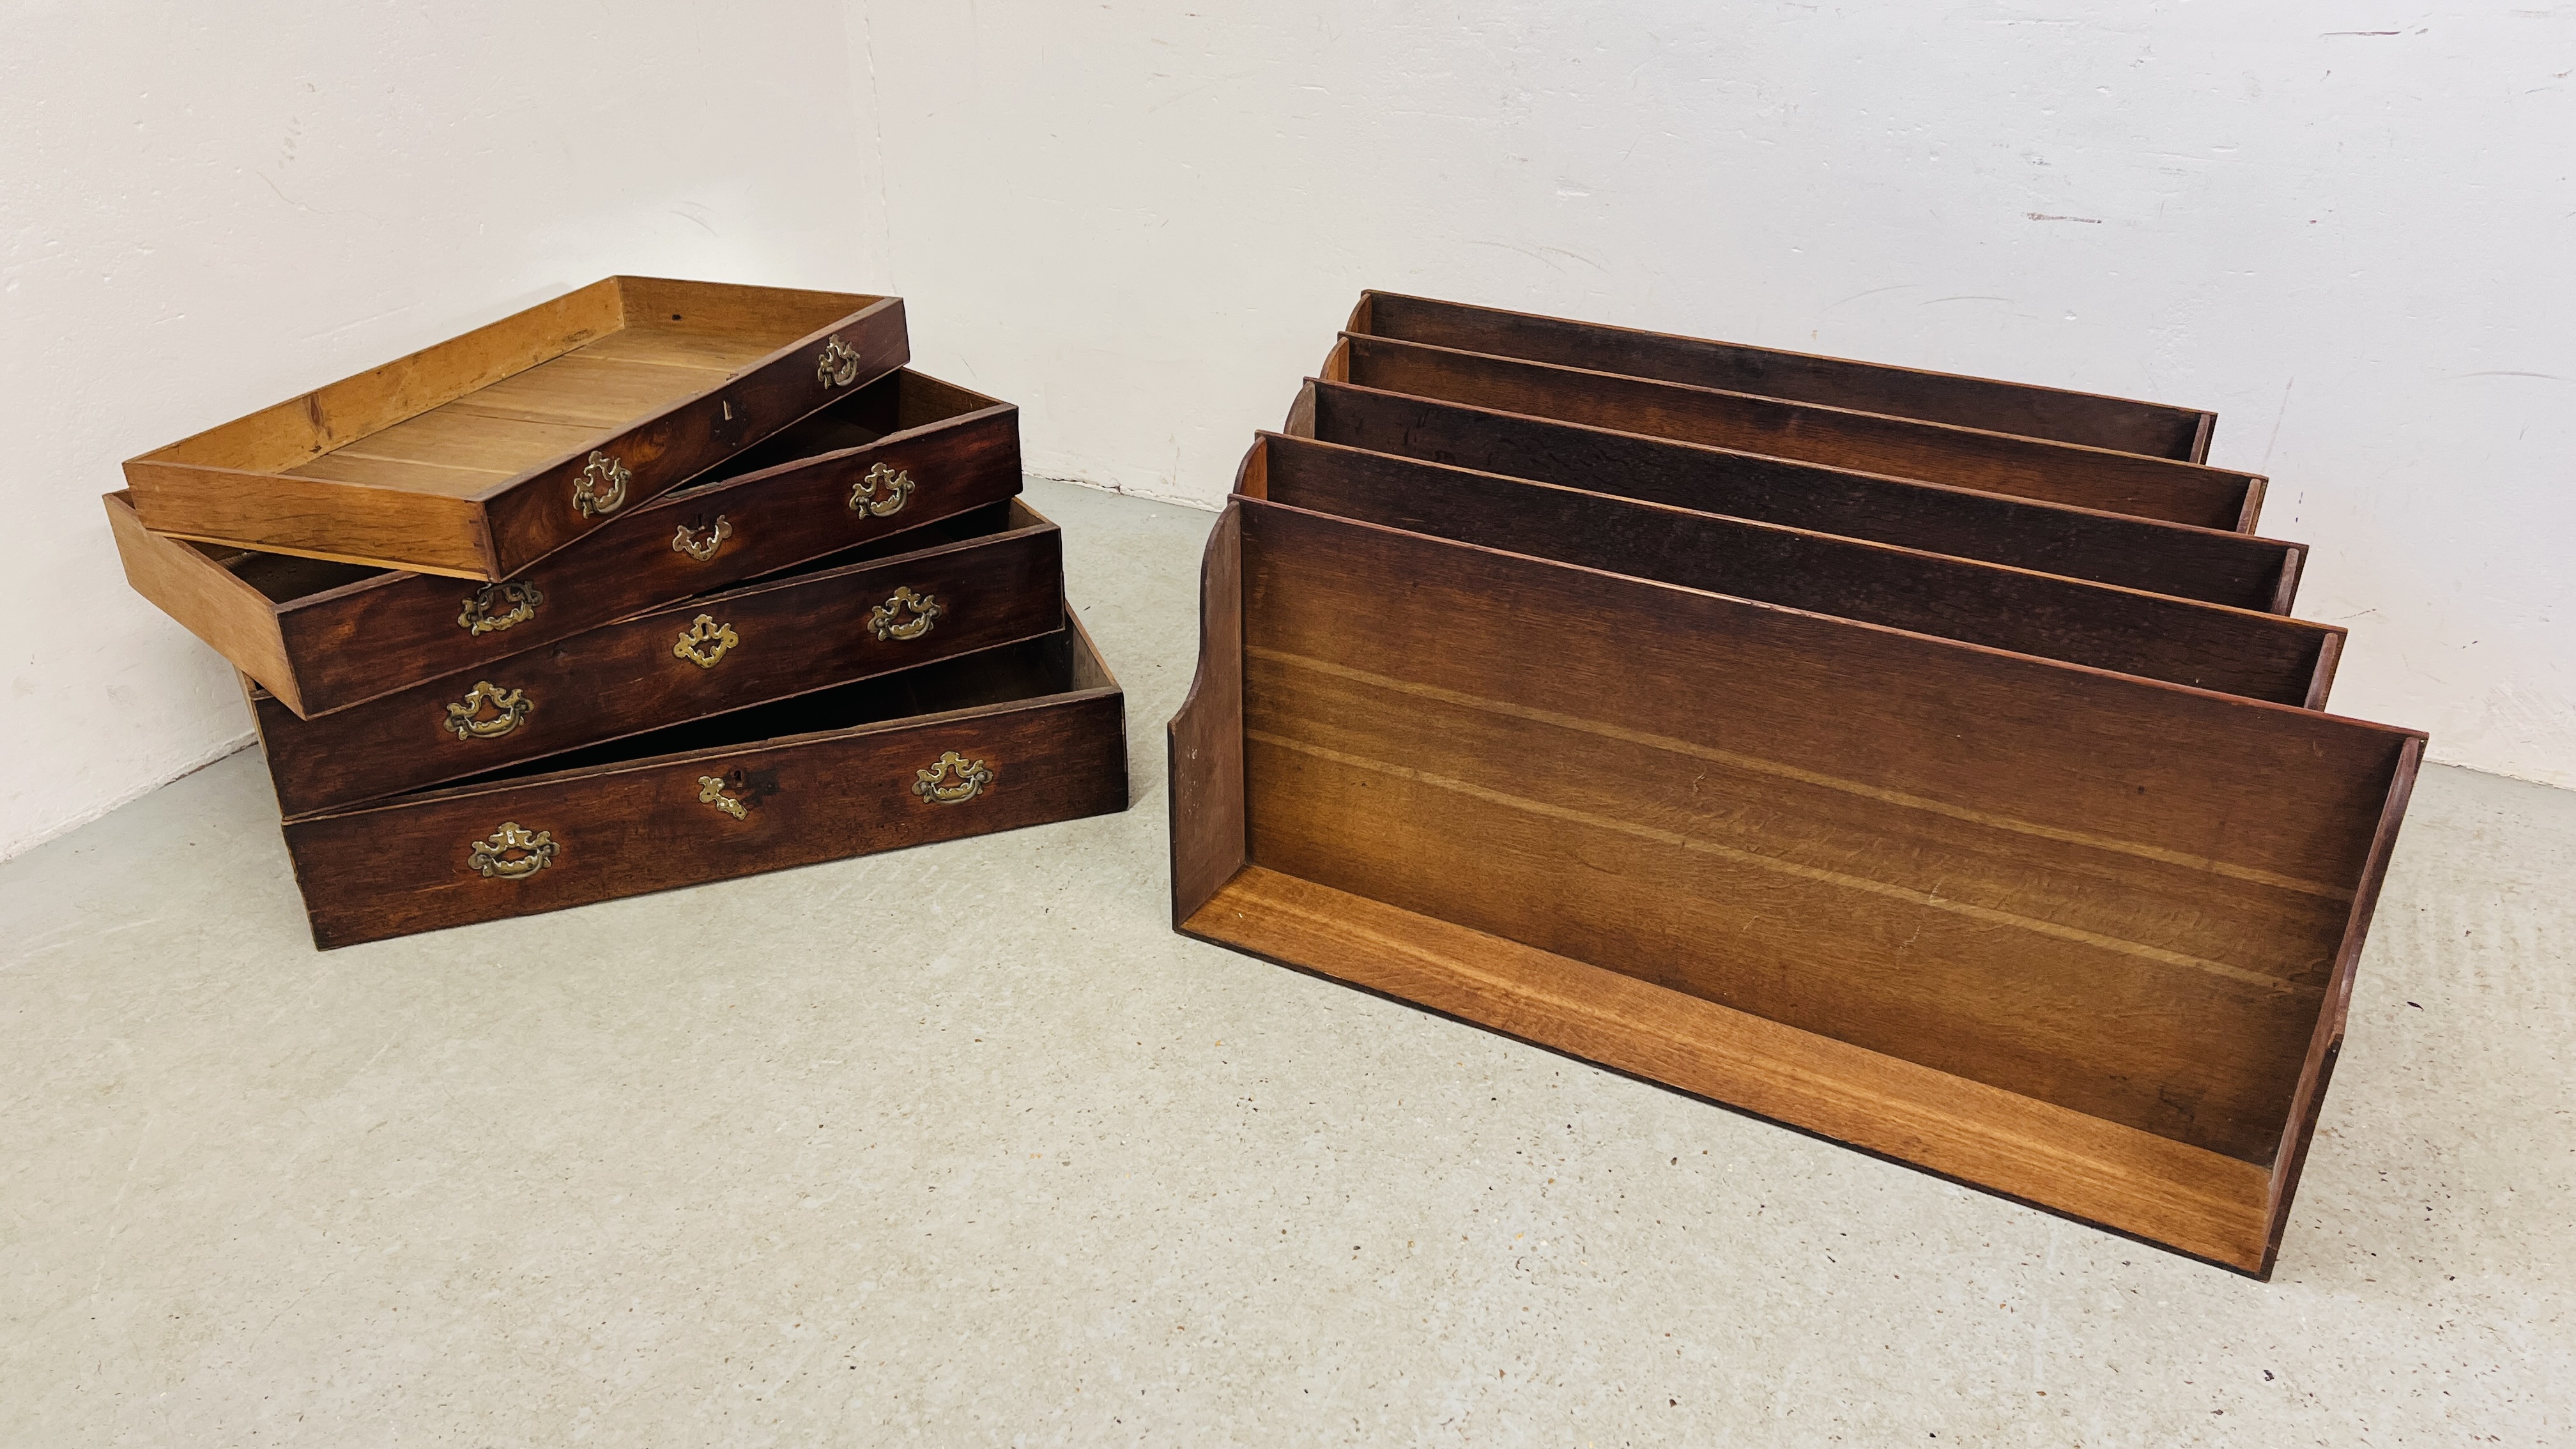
[[964, 1146]]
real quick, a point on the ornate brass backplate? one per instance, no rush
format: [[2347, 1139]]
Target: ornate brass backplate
[[601, 488], [838, 364], [518, 600], [881, 494], [711, 791], [467, 721], [512, 853], [953, 781], [705, 641], [905, 616], [701, 543]]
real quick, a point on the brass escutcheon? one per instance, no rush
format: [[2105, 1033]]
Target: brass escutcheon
[[705, 641], [601, 488], [887, 620], [466, 720], [520, 599], [688, 541], [865, 498], [838, 364], [953, 781], [495, 857], [711, 792]]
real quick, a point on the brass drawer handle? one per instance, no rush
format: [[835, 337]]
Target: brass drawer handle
[[711, 792], [887, 620], [520, 601], [687, 540], [705, 641], [467, 721], [838, 364], [953, 781], [513, 853], [601, 488], [864, 497]]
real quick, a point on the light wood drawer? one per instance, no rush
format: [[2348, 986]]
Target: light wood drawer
[[480, 455]]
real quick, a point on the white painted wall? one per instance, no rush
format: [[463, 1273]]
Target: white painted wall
[[2350, 228], [1144, 222], [205, 209]]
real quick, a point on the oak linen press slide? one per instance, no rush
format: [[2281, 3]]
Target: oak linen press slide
[[806, 616], [2046, 884]]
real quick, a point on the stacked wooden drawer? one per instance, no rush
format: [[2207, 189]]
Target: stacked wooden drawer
[[657, 583], [1928, 762]]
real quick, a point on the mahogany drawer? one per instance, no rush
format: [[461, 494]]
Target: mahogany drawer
[[2114, 482], [2212, 565], [905, 450], [2122, 424], [702, 656], [1019, 735], [2182, 641], [484, 453]]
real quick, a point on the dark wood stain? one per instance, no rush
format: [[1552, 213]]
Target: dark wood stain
[[2075, 936], [1868, 442], [352, 633], [2261, 656], [797, 634], [2154, 429], [818, 778], [2212, 565]]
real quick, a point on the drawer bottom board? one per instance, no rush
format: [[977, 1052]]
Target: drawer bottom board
[[1019, 735]]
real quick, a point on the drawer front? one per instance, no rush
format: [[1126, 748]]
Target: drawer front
[[697, 658], [406, 867], [541, 515], [367, 640]]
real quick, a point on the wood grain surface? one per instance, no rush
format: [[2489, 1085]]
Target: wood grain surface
[[2211, 565], [799, 633], [326, 636], [2238, 651], [818, 778], [2154, 429], [190, 584], [2196, 1201], [1205, 739], [1868, 442], [2033, 875], [461, 459]]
